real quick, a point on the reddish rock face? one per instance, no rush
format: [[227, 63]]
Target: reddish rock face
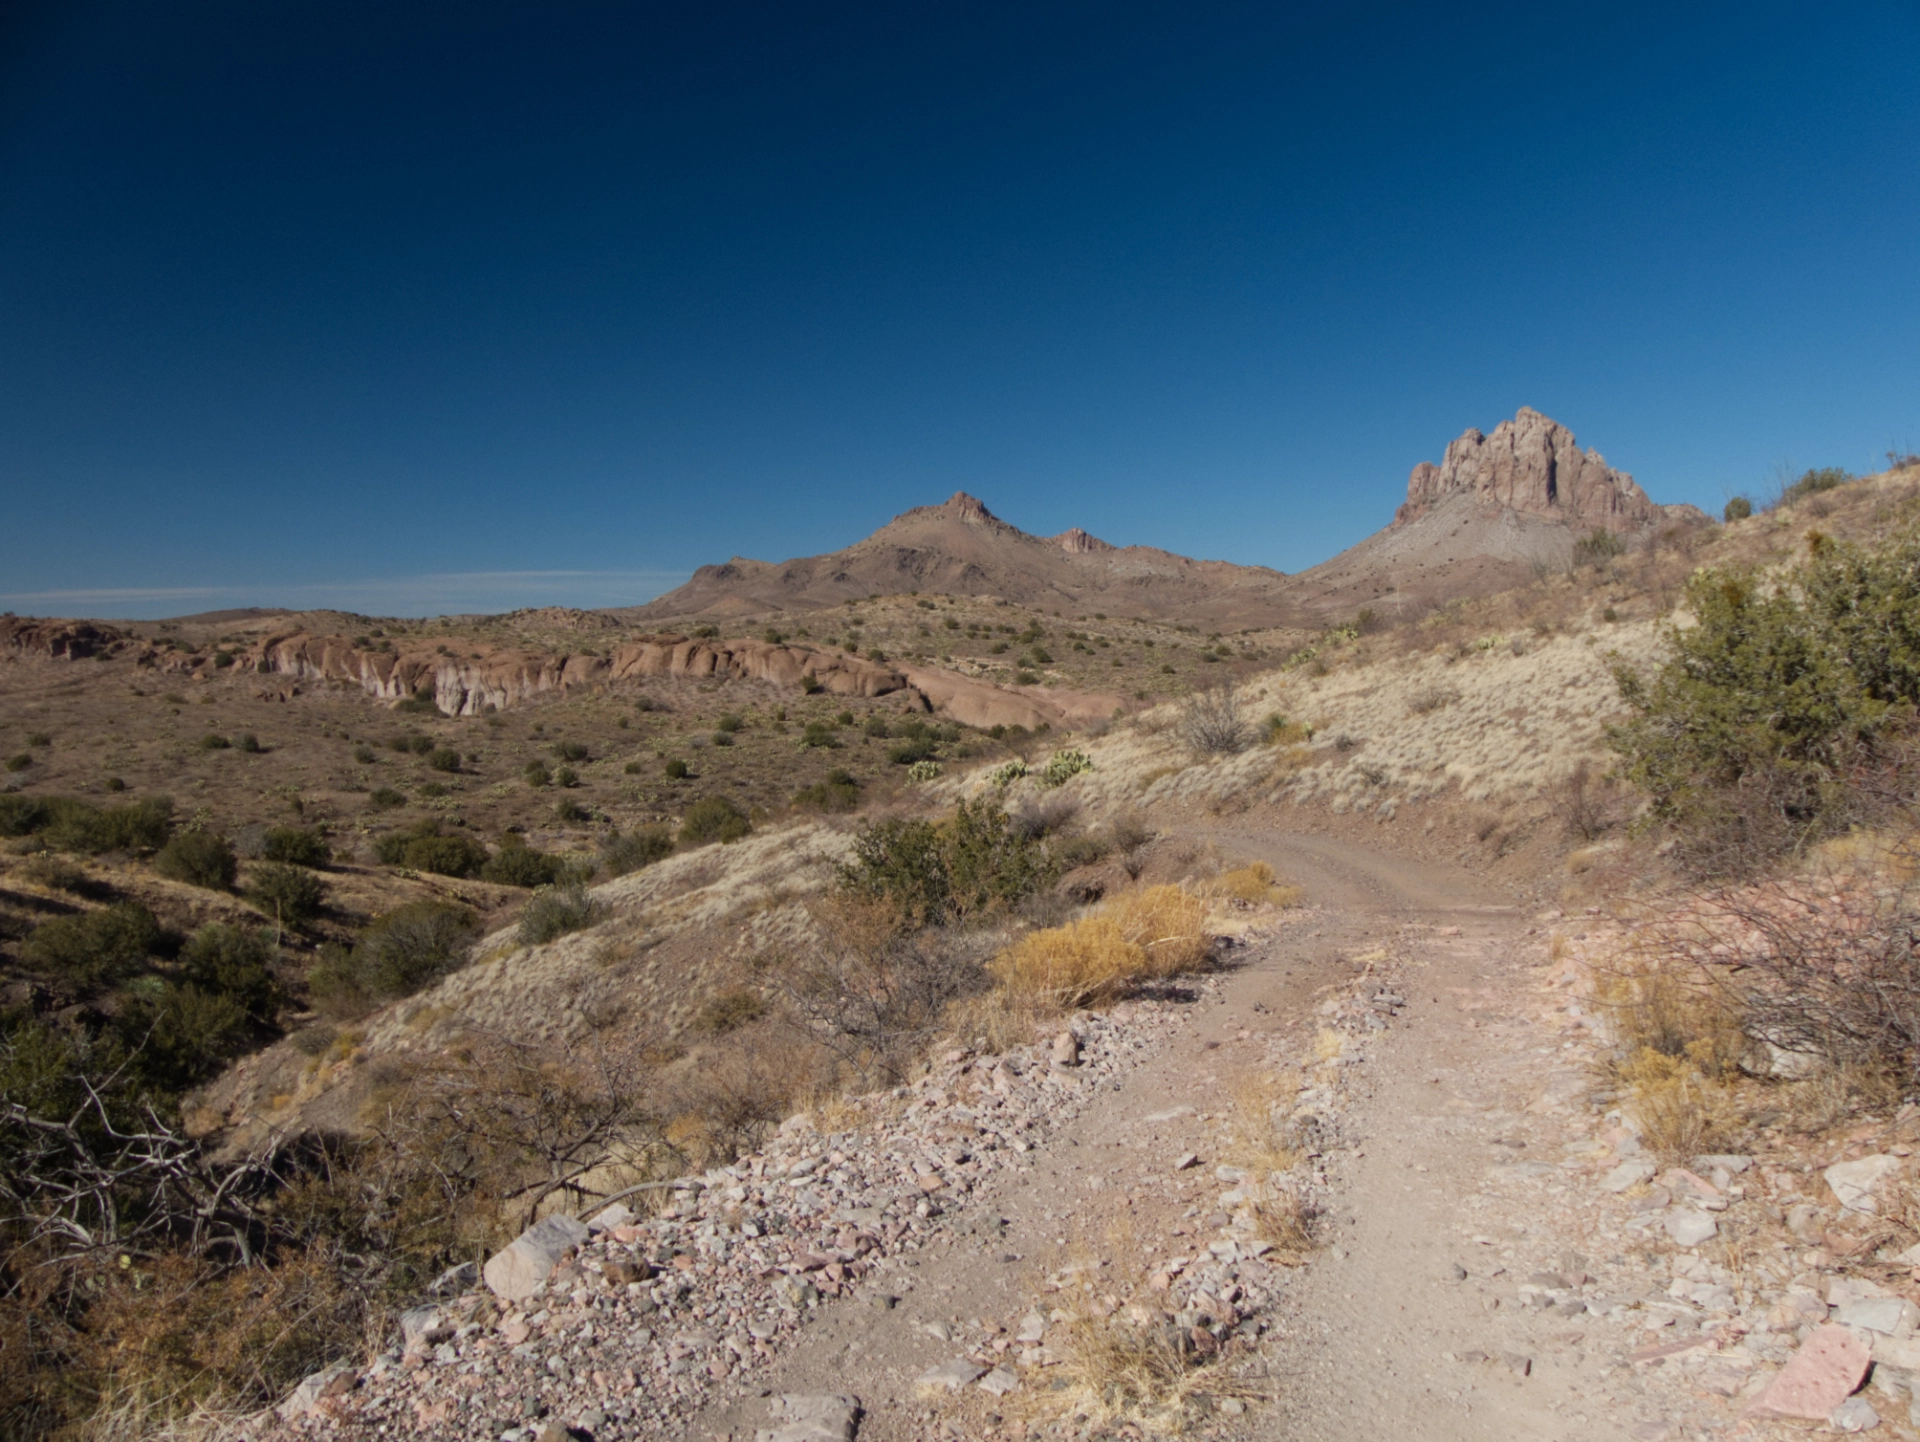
[[1817, 1378], [1533, 465]]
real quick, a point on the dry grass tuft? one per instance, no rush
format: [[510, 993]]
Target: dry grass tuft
[[1144, 936], [1255, 883], [1682, 1111]]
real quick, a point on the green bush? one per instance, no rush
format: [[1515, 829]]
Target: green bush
[[297, 845], [675, 769], [518, 864], [876, 727], [721, 738], [1738, 509], [199, 858], [713, 818], [730, 722], [182, 1035], [1598, 547], [570, 750], [556, 910], [213, 741], [838, 792], [567, 809], [363, 754], [291, 895], [95, 948], [1812, 483], [249, 743], [20, 761], [424, 847], [70, 824], [408, 948], [1064, 766], [444, 758], [819, 734], [538, 774], [566, 776], [1777, 696], [23, 815], [640, 847], [971, 864], [385, 798], [233, 962], [912, 749]]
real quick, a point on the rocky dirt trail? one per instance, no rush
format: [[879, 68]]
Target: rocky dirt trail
[[1493, 1260], [1377, 1332]]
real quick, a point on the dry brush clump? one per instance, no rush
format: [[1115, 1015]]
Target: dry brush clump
[[1140, 937]]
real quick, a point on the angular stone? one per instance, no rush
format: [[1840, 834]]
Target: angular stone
[[948, 1376], [1066, 1049], [1033, 1327], [999, 1381], [1817, 1378], [424, 1327], [609, 1217], [333, 1382], [1855, 1414], [812, 1417], [1689, 1228], [1857, 1184], [529, 1259], [1895, 1315], [1629, 1173]]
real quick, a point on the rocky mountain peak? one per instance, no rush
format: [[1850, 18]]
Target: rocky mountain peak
[[1076, 542], [1533, 465]]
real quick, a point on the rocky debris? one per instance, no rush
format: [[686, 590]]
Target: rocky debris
[[1821, 1375], [625, 1329], [1066, 1050], [517, 1270], [1533, 465], [1857, 1184], [812, 1417], [305, 1399], [948, 1376]]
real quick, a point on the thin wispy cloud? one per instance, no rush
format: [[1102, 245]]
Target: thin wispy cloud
[[434, 593]]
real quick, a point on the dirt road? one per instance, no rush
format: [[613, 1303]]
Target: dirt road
[[1379, 1335]]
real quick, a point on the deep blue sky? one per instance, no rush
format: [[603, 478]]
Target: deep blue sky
[[414, 307]]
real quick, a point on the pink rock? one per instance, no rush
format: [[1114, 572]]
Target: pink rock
[[1818, 1377], [515, 1331]]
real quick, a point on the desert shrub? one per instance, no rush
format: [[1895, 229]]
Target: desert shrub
[[1598, 547], [444, 758], [1005, 774], [363, 754], [730, 723], [420, 703], [566, 776], [1778, 699], [1039, 816], [423, 847], [385, 798], [236, 963], [876, 727], [721, 739], [1813, 483], [249, 743], [640, 847], [1583, 811], [1210, 722], [729, 1009], [972, 863], [1255, 883], [180, 1035], [291, 895], [95, 948], [675, 769], [912, 749], [517, 864], [403, 950], [819, 734], [23, 815], [1737, 509], [1428, 699], [556, 910], [213, 741], [199, 858], [19, 761], [923, 771], [713, 818], [70, 824], [838, 791], [538, 773], [1100, 958], [296, 845], [570, 750], [567, 809], [1064, 766]]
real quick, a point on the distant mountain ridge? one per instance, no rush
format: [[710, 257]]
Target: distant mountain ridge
[[1496, 506], [961, 547]]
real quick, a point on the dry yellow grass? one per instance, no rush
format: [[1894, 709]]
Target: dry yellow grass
[[1143, 936], [1681, 1111], [1255, 883]]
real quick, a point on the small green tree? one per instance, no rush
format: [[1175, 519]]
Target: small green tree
[[713, 818], [199, 858], [297, 846], [291, 895]]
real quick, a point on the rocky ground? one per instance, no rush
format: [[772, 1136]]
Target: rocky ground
[[1496, 1256]]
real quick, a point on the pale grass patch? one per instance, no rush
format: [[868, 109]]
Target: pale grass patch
[[1142, 936], [1255, 883], [1328, 1045]]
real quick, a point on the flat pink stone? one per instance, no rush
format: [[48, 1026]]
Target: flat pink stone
[[1817, 1378]]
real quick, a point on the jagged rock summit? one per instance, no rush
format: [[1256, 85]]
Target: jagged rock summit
[[961, 547], [1532, 465]]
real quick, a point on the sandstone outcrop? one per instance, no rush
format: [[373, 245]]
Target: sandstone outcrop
[[1532, 465], [61, 640]]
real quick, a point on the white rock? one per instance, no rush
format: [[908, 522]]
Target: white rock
[[423, 1327], [1629, 1173], [1033, 1327], [607, 1218], [951, 1376], [1689, 1228], [333, 1382], [812, 1417], [1855, 1414], [1857, 1184], [529, 1259], [1893, 1315], [999, 1381]]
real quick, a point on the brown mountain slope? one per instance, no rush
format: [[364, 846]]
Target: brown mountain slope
[[1497, 507], [962, 548]]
